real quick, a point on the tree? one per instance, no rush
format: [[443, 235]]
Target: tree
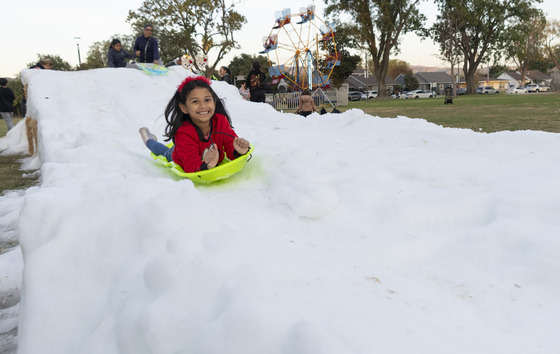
[[345, 40], [191, 26], [497, 70], [377, 26], [410, 81], [58, 63], [552, 32], [480, 29], [397, 67], [524, 42]]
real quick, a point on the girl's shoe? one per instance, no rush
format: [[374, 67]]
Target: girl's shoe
[[146, 135]]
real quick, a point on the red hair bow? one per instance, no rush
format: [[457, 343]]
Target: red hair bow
[[192, 78]]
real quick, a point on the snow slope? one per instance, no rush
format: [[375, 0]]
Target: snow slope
[[344, 234]]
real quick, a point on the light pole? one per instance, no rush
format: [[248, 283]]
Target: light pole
[[77, 39]]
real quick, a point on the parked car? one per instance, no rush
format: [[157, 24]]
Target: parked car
[[354, 95], [487, 90], [520, 89], [537, 88], [461, 91], [419, 94]]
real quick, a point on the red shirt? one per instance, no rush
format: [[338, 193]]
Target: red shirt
[[190, 143]]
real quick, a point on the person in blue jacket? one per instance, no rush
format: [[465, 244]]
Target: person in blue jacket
[[116, 55], [147, 47]]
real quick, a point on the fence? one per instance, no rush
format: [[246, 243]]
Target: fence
[[290, 100]]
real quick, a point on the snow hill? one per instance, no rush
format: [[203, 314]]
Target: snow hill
[[345, 233]]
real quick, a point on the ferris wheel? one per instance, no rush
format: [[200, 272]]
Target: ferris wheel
[[301, 49]]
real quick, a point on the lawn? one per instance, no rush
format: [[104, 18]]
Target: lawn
[[484, 113], [12, 177]]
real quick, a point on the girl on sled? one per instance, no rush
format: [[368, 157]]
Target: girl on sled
[[200, 128]]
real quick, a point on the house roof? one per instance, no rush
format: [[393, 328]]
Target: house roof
[[514, 75], [536, 75], [364, 82], [437, 76]]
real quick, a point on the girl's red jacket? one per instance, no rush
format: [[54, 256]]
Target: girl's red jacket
[[190, 143]]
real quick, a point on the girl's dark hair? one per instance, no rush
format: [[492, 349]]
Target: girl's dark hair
[[175, 117], [113, 42], [256, 66], [306, 92], [226, 70]]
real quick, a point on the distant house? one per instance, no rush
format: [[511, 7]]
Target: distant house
[[531, 77], [499, 84], [362, 81], [539, 78], [514, 78], [432, 81], [555, 75]]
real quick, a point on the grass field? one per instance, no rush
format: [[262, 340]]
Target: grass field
[[484, 113], [12, 177], [481, 113]]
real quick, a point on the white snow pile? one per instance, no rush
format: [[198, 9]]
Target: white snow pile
[[345, 233]]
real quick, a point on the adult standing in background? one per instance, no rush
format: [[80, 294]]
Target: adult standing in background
[[43, 64], [7, 98], [225, 73], [147, 47], [257, 83]]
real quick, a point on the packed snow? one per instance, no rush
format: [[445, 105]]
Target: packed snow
[[345, 233]]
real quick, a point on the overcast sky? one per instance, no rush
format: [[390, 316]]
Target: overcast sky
[[38, 27]]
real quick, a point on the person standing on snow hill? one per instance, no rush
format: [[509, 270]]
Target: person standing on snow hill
[[200, 128], [257, 83], [147, 47], [116, 55], [225, 73], [7, 98]]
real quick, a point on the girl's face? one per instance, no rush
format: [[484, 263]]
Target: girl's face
[[117, 47], [200, 105]]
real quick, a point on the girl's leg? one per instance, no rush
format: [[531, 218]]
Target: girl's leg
[[159, 149]]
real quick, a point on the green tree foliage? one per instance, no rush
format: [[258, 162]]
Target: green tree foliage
[[397, 67], [479, 29], [377, 26], [497, 70], [525, 41], [58, 63], [410, 81], [191, 26], [552, 33], [241, 65], [345, 40]]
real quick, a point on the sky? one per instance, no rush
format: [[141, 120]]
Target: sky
[[50, 28], [344, 233]]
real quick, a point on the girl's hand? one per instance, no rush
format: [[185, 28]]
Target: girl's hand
[[211, 156], [241, 145]]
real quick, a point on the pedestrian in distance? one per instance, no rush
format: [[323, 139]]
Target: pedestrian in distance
[[7, 98], [225, 73], [306, 104], [257, 83]]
